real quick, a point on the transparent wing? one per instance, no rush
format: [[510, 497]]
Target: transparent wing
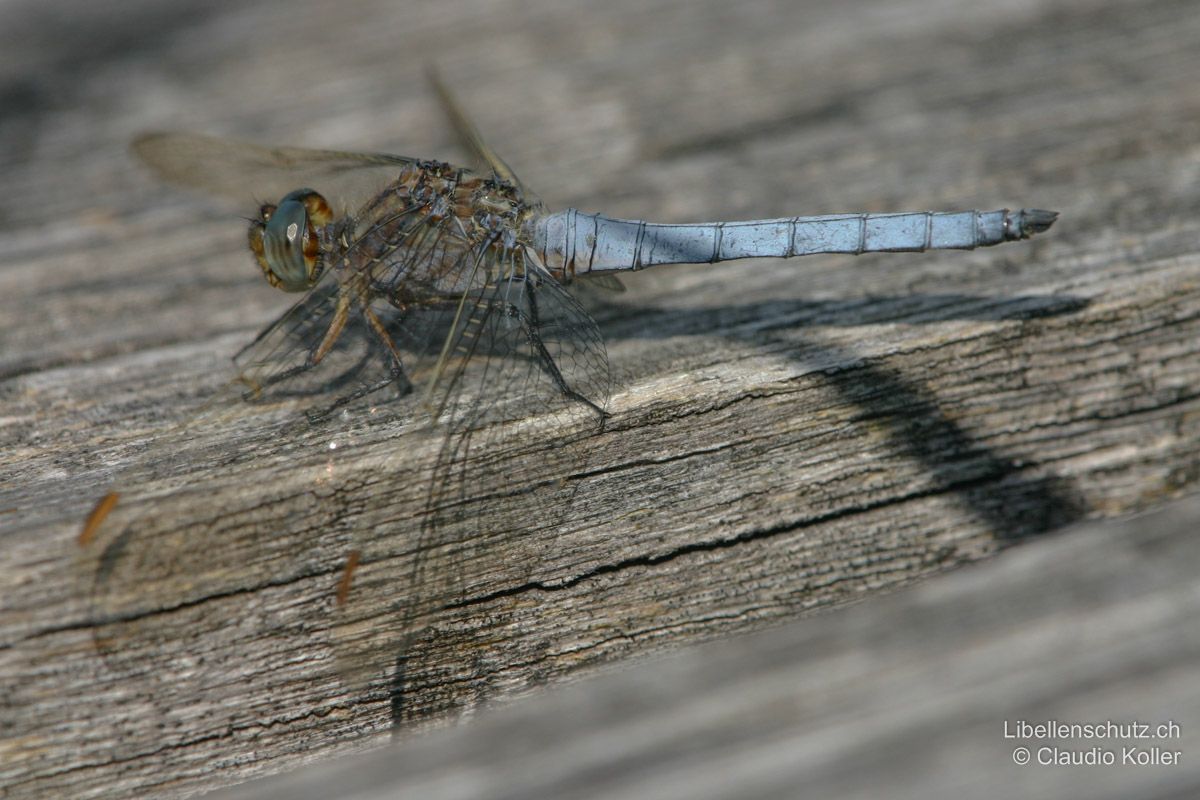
[[322, 355], [516, 386], [473, 354], [240, 171], [162, 547], [468, 134]]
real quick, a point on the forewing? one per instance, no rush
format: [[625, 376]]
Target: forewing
[[241, 171]]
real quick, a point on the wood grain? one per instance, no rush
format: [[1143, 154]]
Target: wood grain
[[786, 436], [921, 697]]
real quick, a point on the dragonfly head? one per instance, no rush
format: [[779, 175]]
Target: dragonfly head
[[286, 243]]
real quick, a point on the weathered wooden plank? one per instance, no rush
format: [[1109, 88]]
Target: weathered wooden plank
[[786, 436], [920, 697]]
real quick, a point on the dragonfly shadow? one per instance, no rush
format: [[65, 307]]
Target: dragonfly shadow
[[740, 322], [993, 486], [989, 484]]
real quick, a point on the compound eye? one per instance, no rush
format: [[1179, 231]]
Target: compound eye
[[289, 247], [285, 242]]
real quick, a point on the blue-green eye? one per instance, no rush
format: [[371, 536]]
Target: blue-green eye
[[284, 243]]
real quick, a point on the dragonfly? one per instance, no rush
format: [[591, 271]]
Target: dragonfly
[[447, 290]]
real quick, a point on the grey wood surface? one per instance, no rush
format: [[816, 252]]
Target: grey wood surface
[[937, 693], [787, 436]]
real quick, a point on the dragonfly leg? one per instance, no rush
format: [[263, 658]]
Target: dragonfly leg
[[341, 314], [380, 331], [530, 325], [395, 374]]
